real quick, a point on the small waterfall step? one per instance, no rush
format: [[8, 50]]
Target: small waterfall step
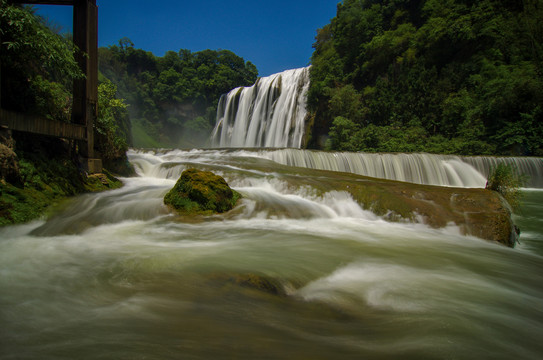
[[419, 168]]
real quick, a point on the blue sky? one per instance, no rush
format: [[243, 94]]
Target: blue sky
[[275, 35]]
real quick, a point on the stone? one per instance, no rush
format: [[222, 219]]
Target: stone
[[201, 192]]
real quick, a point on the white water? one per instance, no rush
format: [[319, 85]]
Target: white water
[[115, 276], [270, 113], [429, 169]]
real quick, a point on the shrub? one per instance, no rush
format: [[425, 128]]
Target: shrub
[[506, 180]]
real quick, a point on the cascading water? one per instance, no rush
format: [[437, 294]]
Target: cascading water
[[114, 275], [428, 169], [270, 113]]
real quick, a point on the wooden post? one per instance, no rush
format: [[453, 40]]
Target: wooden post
[[85, 101]]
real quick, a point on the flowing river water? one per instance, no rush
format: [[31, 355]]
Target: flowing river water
[[115, 276]]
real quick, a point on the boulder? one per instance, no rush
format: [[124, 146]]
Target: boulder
[[201, 192], [476, 212]]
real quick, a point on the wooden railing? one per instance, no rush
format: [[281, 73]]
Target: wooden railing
[[42, 126]]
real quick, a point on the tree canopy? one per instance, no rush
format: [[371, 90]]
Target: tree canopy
[[37, 64], [447, 76], [38, 69], [173, 99]]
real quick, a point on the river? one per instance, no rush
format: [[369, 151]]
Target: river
[[115, 276]]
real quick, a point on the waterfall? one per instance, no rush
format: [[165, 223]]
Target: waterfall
[[420, 168], [268, 114]]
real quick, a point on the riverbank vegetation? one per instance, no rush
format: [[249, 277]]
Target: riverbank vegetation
[[455, 76], [143, 100], [173, 99], [506, 180], [38, 68]]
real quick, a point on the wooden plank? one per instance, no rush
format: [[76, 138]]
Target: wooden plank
[[79, 113], [42, 126], [44, 2], [92, 51]]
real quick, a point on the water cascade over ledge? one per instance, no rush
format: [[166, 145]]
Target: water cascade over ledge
[[268, 114], [419, 168]]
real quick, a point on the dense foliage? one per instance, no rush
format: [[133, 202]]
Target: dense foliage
[[447, 76], [173, 99], [38, 65], [38, 68], [112, 129]]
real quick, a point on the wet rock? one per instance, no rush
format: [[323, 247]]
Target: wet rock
[[260, 283], [201, 192], [476, 212]]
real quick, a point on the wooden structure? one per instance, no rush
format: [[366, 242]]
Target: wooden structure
[[85, 91]]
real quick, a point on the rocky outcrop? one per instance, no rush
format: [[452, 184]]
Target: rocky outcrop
[[201, 192], [477, 212], [9, 164]]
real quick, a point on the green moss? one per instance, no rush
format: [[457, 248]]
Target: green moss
[[101, 182], [19, 205], [201, 192], [48, 175]]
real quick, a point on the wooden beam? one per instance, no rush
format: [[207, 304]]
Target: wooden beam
[[85, 94], [44, 2], [42, 126]]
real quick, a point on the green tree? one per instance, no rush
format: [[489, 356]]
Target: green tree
[[31, 54], [167, 94], [463, 76]]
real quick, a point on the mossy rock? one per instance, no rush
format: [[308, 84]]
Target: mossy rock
[[258, 282], [253, 282], [201, 192]]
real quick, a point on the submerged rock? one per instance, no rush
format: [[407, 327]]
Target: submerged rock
[[201, 192], [259, 283]]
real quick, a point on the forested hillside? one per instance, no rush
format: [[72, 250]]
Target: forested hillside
[[173, 99], [446, 76]]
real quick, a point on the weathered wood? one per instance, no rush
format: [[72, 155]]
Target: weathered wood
[[45, 2], [85, 91], [42, 126]]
